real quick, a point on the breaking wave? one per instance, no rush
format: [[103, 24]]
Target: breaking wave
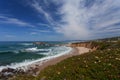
[[35, 49], [56, 52]]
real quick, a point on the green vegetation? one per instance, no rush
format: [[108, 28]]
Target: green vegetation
[[102, 45], [102, 64]]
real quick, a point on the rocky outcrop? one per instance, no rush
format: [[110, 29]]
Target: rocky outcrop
[[9, 72], [90, 45], [41, 43], [47, 44]]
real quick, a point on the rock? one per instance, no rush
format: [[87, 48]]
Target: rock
[[9, 72], [85, 44], [42, 43], [39, 43], [6, 73]]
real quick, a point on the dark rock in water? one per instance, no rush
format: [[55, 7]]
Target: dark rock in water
[[39, 43], [9, 72], [42, 43], [6, 73]]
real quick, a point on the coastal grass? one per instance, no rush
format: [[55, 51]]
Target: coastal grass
[[98, 65], [102, 64]]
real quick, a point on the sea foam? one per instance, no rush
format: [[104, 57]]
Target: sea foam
[[35, 49], [25, 64]]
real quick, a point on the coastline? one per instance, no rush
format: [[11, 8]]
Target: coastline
[[35, 68], [25, 65]]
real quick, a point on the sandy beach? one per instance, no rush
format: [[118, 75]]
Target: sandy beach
[[37, 67]]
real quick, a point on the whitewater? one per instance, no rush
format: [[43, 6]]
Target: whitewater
[[45, 54]]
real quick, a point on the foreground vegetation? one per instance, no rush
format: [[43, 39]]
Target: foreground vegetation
[[102, 64]]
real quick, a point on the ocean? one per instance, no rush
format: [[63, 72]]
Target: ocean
[[19, 54]]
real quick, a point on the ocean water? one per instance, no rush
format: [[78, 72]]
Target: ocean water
[[18, 54]]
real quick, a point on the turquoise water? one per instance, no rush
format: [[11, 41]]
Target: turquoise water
[[19, 52]]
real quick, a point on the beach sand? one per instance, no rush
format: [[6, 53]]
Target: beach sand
[[37, 67]]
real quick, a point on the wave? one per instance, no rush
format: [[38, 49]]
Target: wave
[[26, 44], [25, 64], [35, 49], [6, 52]]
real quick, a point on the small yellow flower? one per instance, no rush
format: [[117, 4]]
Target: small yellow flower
[[96, 57], [117, 58], [86, 65], [84, 61], [58, 72], [95, 62], [109, 64], [64, 67]]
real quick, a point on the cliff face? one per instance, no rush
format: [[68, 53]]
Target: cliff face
[[90, 45]]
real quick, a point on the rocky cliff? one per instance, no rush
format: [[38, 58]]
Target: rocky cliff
[[90, 45]]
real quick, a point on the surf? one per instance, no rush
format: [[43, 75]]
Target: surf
[[23, 56]]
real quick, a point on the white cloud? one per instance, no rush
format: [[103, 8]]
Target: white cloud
[[85, 21], [33, 33], [41, 31], [107, 23], [74, 18], [11, 20], [45, 25], [35, 4], [45, 31], [10, 36], [82, 19]]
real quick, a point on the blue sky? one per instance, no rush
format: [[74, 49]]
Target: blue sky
[[29, 20]]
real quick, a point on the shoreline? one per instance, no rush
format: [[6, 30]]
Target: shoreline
[[35, 68], [28, 63]]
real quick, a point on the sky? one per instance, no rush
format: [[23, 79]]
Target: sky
[[56, 20]]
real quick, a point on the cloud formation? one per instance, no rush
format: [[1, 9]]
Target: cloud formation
[[41, 31], [74, 19], [89, 19], [10, 36], [81, 19], [33, 33], [11, 20], [35, 4]]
